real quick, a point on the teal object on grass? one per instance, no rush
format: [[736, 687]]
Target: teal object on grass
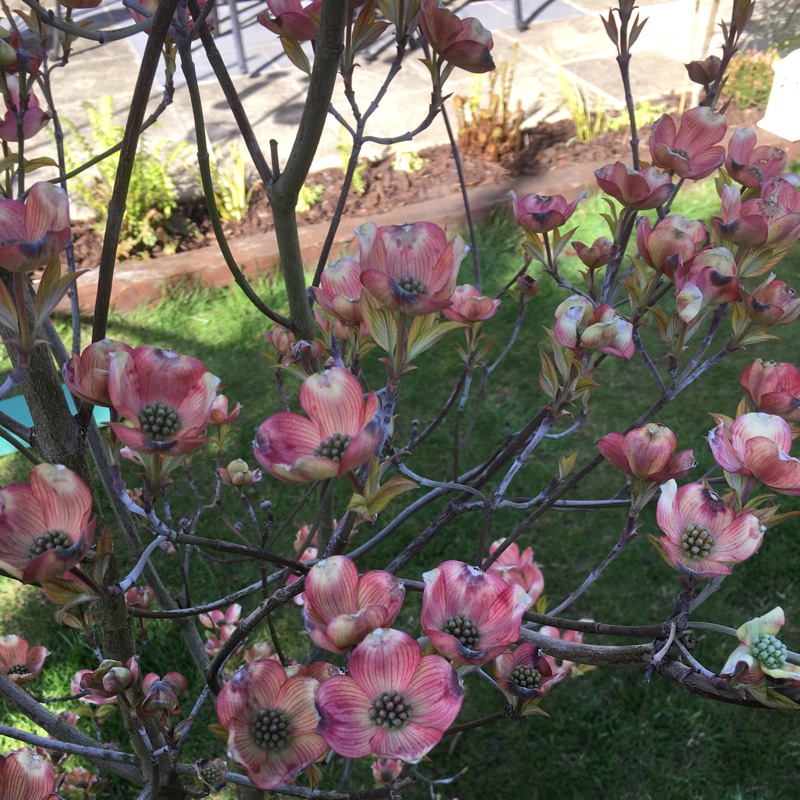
[[17, 409]]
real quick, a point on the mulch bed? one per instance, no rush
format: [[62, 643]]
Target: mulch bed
[[547, 147]]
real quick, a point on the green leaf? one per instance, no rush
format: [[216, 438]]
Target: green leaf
[[296, 54], [381, 322], [423, 335]]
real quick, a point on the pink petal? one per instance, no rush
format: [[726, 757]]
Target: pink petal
[[435, 694], [410, 743], [750, 426], [27, 776], [413, 250], [700, 506], [296, 700], [501, 620], [65, 499], [283, 439], [334, 400], [739, 540], [611, 446], [773, 466], [383, 589], [700, 128], [344, 716], [283, 766], [385, 661], [332, 588], [13, 651], [348, 630]]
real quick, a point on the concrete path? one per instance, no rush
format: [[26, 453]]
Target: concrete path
[[273, 90]]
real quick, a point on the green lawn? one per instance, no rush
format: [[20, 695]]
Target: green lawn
[[610, 734]]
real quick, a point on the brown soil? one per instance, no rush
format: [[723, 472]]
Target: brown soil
[[547, 147]]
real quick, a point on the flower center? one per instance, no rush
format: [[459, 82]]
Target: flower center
[[334, 446], [526, 677], [390, 710], [270, 729], [159, 422], [211, 774], [771, 652], [697, 541], [18, 669], [464, 629], [681, 153], [411, 285], [51, 540]]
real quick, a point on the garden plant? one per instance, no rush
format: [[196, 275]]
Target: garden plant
[[371, 616]]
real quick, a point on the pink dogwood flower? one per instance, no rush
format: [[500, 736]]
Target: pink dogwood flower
[[341, 432], [45, 528], [703, 534], [109, 680], [646, 453], [33, 233], [271, 722], [33, 119], [538, 214], [580, 326], [673, 241], [773, 388], [395, 703], [292, 21], [520, 568], [757, 445], [767, 221], [24, 775], [90, 696], [709, 280], [637, 189], [470, 306], [524, 676], [687, 148], [18, 662], [410, 268], [341, 608], [221, 414], [750, 165], [166, 398], [161, 694], [596, 255], [465, 43], [86, 375], [772, 303], [339, 290], [760, 652], [469, 615], [211, 773]]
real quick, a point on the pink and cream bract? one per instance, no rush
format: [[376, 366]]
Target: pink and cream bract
[[166, 398], [760, 652], [750, 165], [580, 326], [704, 536], [25, 775], [341, 608], [470, 306], [469, 615], [646, 453], [637, 189], [33, 233], [410, 268], [271, 722], [773, 388], [86, 375], [395, 703], [339, 290], [465, 43], [45, 528], [341, 432], [18, 662], [292, 21], [757, 445], [538, 214], [689, 148]]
